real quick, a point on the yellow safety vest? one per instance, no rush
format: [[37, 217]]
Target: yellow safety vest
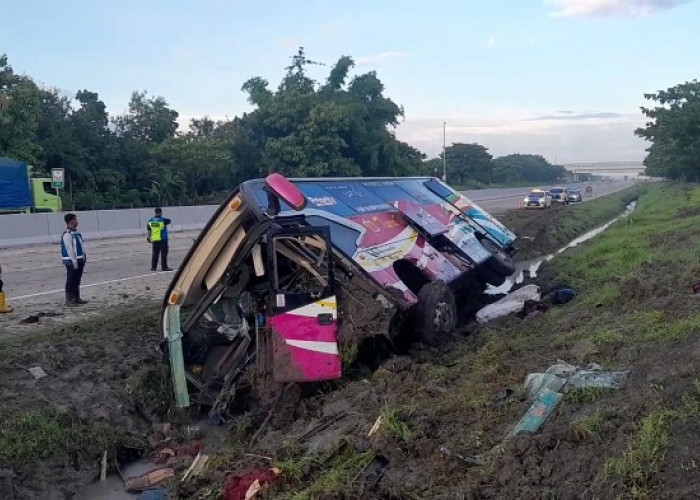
[[156, 229]]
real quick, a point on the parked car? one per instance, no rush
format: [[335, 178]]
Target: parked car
[[574, 194], [538, 199], [559, 195], [289, 277]]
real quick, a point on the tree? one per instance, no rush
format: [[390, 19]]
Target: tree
[[335, 129], [203, 164], [148, 119], [529, 168], [674, 132], [20, 113], [468, 162]]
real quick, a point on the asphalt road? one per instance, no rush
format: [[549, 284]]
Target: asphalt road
[[118, 271], [501, 200]]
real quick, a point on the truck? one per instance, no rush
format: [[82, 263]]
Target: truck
[[22, 193]]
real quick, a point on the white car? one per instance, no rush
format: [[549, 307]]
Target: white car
[[538, 199]]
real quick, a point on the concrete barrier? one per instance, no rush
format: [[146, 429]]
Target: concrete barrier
[[88, 226], [116, 223], [24, 229], [46, 228]]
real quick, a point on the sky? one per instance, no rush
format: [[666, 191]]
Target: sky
[[560, 78]]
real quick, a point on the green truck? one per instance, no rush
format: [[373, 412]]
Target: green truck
[[20, 192]]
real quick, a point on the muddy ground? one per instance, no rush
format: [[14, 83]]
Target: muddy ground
[[438, 409]]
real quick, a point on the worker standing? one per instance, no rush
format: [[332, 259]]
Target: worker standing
[[74, 258], [158, 236]]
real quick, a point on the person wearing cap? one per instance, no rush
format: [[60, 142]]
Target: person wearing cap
[[158, 237]]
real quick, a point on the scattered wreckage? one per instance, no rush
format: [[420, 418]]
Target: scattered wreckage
[[290, 276]]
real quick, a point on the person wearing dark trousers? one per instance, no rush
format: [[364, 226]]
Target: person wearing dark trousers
[[158, 236], [74, 258]]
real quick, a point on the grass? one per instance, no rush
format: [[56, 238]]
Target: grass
[[394, 426], [633, 288], [32, 436], [590, 425], [151, 388], [635, 469], [644, 455], [585, 394], [328, 475]]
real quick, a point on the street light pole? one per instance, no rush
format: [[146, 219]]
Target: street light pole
[[444, 152]]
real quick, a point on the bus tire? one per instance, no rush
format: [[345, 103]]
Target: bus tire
[[436, 313]]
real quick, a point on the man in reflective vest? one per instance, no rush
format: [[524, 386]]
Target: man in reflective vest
[[158, 236], [73, 254]]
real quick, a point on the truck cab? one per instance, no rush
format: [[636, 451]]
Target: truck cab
[[44, 196], [22, 193]]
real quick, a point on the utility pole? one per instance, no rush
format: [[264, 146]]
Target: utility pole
[[444, 152]]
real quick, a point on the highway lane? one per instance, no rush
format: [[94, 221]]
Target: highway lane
[[118, 270], [500, 200]]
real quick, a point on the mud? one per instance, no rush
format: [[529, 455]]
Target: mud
[[437, 408], [54, 430], [364, 314]]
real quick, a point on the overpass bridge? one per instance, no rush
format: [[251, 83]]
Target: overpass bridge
[[631, 168]]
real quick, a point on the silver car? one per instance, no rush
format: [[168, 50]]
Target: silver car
[[559, 195], [537, 199], [575, 194]]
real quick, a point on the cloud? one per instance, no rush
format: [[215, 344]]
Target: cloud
[[492, 41], [571, 115], [575, 141], [378, 58], [603, 8]]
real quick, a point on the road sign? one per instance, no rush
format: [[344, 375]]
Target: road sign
[[57, 178]]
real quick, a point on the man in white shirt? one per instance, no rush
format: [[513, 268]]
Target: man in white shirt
[[73, 254]]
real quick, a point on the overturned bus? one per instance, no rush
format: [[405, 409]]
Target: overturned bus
[[290, 276]]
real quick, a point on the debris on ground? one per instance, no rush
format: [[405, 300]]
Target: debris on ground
[[543, 406], [154, 494], [532, 308], [546, 391], [38, 372], [197, 466], [565, 376], [148, 480], [548, 388], [248, 484], [36, 318], [560, 295], [511, 303]]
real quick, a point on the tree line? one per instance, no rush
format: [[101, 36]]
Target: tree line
[[341, 127], [673, 129]]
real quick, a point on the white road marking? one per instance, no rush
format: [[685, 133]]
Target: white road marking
[[100, 283]]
